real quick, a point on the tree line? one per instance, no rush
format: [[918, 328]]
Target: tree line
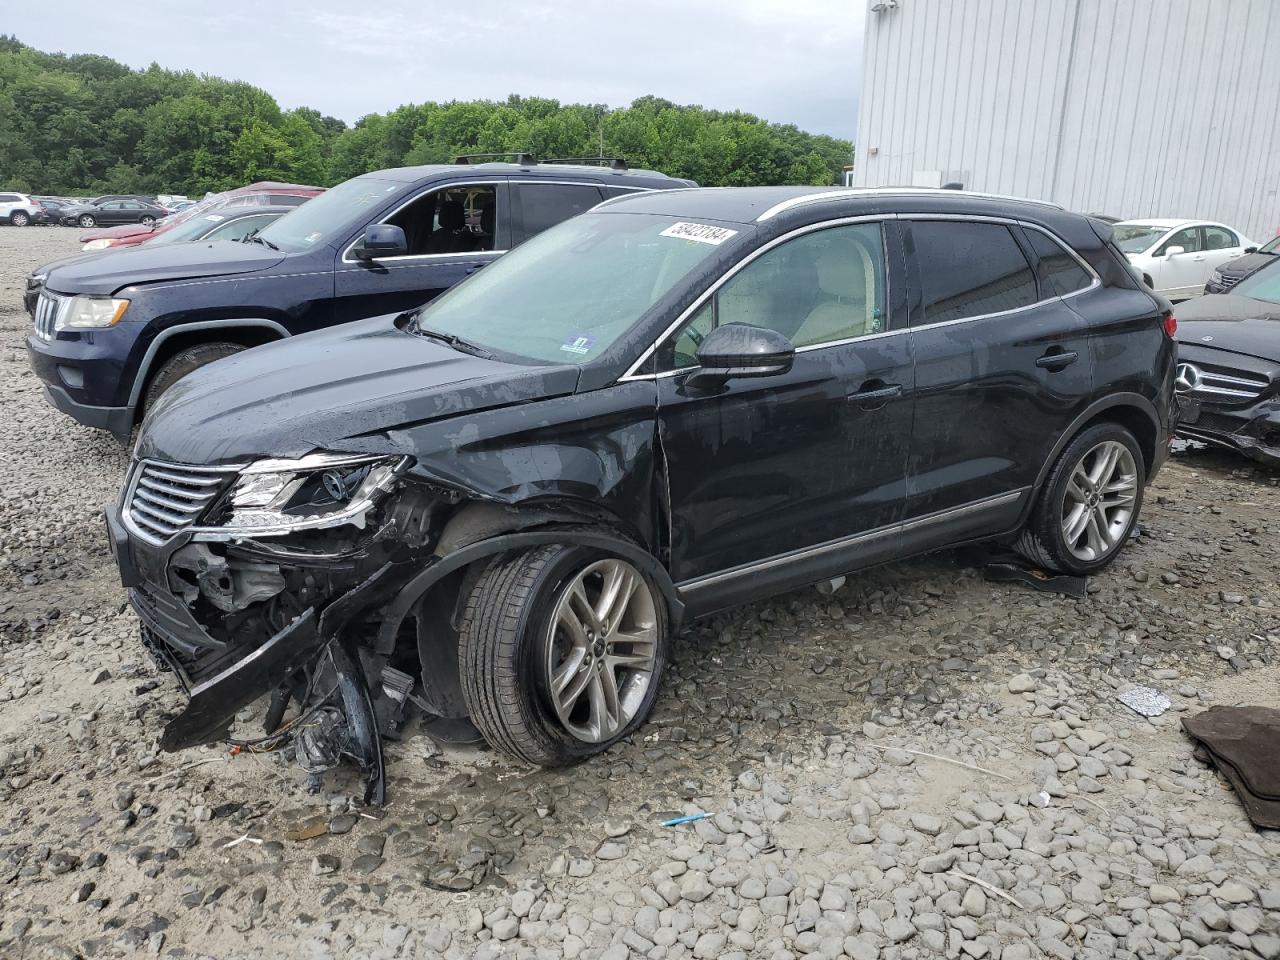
[[86, 124]]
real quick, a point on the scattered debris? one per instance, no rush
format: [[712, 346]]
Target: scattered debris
[[1244, 744], [691, 818], [1146, 701], [1068, 586]]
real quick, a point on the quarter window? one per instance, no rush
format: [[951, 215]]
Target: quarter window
[[821, 287], [1219, 238], [1060, 272], [970, 269], [542, 205]]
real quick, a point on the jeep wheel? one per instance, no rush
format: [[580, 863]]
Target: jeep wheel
[[182, 363], [1089, 503], [561, 652], [148, 220], [19, 218], [86, 220]]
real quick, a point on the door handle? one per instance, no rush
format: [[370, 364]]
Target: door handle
[[1057, 361], [1198, 259], [875, 397], [476, 266]]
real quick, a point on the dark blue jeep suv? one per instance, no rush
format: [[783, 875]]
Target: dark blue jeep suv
[[114, 332]]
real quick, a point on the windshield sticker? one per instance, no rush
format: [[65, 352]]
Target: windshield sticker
[[579, 345], [312, 237], [215, 217], [701, 232]]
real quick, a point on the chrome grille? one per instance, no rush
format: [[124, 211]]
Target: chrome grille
[[166, 498], [48, 306], [1227, 280], [1197, 381]]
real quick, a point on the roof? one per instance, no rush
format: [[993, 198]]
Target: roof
[[1164, 223], [757, 204], [554, 171]]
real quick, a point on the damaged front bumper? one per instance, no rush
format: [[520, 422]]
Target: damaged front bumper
[[1252, 430]]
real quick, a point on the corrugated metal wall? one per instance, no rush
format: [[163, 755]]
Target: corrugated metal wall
[[1129, 107]]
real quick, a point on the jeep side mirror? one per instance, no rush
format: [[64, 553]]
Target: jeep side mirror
[[381, 240], [739, 350], [1173, 251]]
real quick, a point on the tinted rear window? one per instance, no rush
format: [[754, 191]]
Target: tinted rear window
[[970, 269], [1058, 269], [543, 205]]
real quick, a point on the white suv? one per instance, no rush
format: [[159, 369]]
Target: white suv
[[17, 209]]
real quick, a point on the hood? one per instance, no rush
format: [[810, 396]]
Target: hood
[[116, 233], [1243, 266], [45, 268], [318, 390], [109, 270], [1229, 322]]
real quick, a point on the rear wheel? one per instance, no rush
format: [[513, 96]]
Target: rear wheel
[[181, 364], [19, 218], [86, 220], [561, 652], [1089, 503]]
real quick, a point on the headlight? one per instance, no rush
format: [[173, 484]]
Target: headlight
[[97, 244], [82, 313], [276, 497]]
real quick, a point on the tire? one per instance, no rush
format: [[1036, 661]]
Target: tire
[[20, 218], [1069, 497], [182, 363], [148, 221], [86, 221], [511, 641]]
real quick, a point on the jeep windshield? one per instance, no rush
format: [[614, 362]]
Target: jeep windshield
[[568, 294], [326, 218]]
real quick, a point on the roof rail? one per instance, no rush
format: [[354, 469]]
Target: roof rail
[[522, 158], [844, 194], [615, 163]]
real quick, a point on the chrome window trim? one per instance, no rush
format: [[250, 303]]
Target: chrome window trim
[[490, 181], [730, 274], [866, 536], [632, 375], [854, 192]]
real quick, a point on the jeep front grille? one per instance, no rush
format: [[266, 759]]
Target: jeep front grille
[[48, 306], [163, 499]]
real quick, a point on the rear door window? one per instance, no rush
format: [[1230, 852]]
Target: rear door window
[[537, 206], [1219, 238], [970, 270], [1060, 272]]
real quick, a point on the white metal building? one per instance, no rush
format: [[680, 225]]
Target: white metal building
[[1132, 108]]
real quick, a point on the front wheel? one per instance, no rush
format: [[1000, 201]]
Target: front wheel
[[182, 363], [561, 650], [19, 218], [1089, 503], [148, 221], [87, 221]]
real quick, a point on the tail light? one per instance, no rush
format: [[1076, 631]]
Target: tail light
[[1170, 324]]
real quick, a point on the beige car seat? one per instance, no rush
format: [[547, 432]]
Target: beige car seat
[[847, 308]]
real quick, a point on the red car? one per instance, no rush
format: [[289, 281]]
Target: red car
[[264, 193]]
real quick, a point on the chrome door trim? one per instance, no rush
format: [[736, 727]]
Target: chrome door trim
[[868, 536]]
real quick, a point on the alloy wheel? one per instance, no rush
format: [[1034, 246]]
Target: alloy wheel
[[602, 649], [86, 221], [1099, 499], [19, 219]]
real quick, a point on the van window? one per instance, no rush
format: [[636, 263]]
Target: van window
[[970, 269]]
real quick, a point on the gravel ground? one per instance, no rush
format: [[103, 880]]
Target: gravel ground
[[811, 726]]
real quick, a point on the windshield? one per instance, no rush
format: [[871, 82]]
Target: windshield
[[1264, 284], [190, 230], [1271, 246], [568, 294], [1136, 237], [319, 219]]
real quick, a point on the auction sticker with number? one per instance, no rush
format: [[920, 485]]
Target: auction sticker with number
[[701, 232]]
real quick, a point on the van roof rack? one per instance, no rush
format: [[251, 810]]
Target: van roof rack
[[523, 159], [615, 163]]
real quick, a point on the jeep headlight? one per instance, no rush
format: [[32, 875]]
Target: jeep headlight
[[88, 313], [278, 497]]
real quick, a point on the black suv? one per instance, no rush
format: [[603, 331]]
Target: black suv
[[115, 331], [675, 403]]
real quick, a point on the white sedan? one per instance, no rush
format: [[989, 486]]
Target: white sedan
[[1176, 256]]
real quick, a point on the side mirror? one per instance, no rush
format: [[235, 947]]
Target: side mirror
[[1250, 249], [1173, 251], [739, 350], [381, 240]]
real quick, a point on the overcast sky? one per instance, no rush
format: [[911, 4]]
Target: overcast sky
[[789, 61]]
